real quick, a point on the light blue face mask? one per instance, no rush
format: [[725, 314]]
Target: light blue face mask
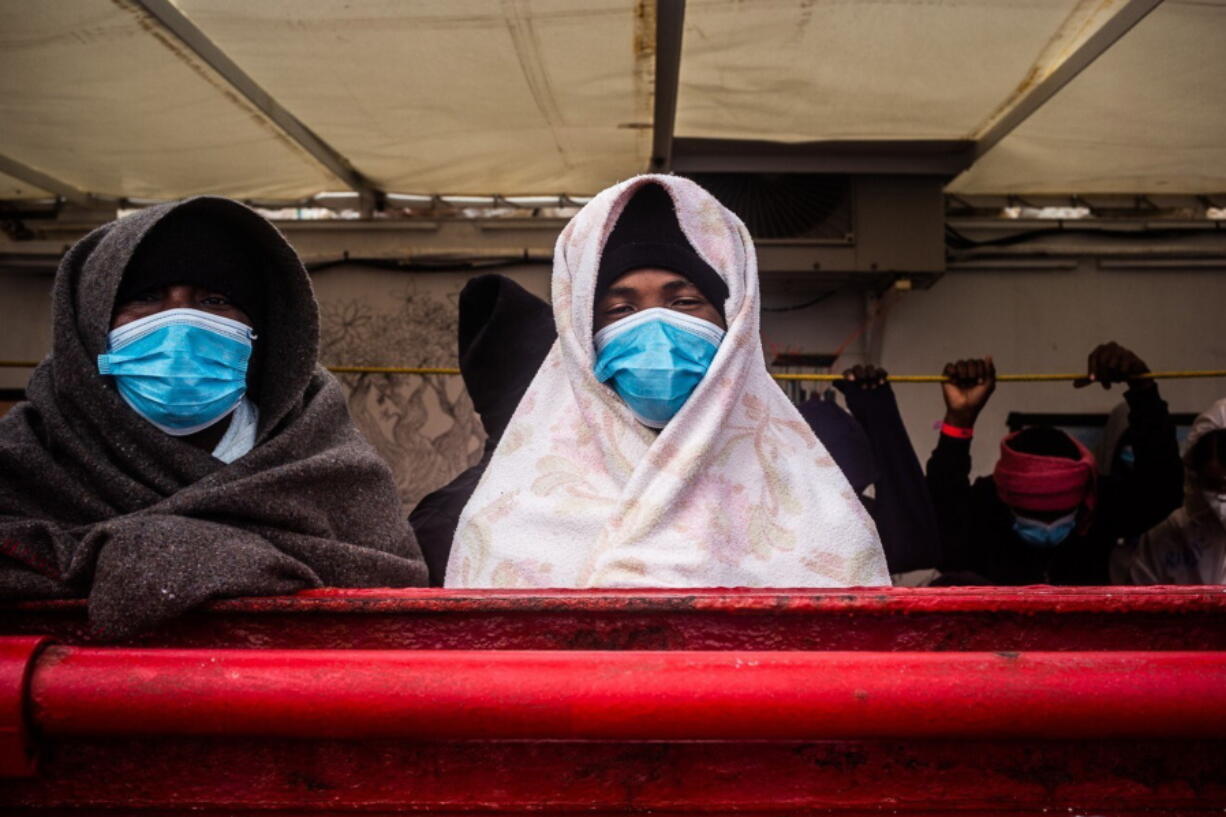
[[1044, 534], [654, 360], [181, 369]]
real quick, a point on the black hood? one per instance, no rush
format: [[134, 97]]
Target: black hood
[[505, 334], [99, 503], [89, 281]]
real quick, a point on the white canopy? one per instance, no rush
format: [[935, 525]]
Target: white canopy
[[284, 99]]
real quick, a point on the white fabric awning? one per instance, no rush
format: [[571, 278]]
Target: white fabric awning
[[790, 71], [556, 96], [1149, 116]]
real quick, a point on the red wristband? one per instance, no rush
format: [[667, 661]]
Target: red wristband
[[956, 432]]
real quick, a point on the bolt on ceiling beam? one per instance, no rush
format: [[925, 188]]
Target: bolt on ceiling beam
[[1119, 24], [186, 31]]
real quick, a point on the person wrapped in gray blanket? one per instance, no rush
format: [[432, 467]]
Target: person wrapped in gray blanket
[[181, 442]]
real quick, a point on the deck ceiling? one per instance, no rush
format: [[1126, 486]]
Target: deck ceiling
[[279, 100]]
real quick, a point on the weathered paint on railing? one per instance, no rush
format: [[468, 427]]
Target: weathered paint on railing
[[956, 619], [426, 731]]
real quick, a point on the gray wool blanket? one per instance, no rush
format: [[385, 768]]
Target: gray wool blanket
[[95, 501]]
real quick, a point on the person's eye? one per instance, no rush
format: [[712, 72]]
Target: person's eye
[[619, 309], [215, 299], [140, 302], [689, 300]]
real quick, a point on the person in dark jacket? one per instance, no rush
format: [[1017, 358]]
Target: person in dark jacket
[[1045, 516], [181, 442], [504, 334], [871, 446]]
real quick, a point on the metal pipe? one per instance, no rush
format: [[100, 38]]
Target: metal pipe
[[631, 695], [17, 655], [670, 30], [177, 23], [1024, 103], [45, 181]]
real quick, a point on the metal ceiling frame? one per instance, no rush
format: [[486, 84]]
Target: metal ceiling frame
[[930, 157], [199, 43], [936, 157], [1094, 47], [670, 29], [669, 153], [42, 181]]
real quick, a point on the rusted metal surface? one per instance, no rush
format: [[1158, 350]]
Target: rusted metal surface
[[956, 619], [143, 775]]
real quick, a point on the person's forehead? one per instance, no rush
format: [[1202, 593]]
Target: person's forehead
[[1044, 516], [650, 278], [194, 287], [1215, 469]]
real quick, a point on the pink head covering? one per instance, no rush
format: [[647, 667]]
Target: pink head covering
[[1033, 482]]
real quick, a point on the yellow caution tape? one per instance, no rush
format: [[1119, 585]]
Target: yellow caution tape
[[812, 378]]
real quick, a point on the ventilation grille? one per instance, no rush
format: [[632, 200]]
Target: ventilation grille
[[785, 205]]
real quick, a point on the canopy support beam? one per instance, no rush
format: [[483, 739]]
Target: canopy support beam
[[174, 21], [670, 27], [1094, 47], [42, 181], [927, 157]]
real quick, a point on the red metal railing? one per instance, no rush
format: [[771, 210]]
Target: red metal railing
[[627, 695], [987, 700], [16, 665], [967, 619]]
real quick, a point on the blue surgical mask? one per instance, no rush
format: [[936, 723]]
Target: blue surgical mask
[[654, 360], [181, 369], [1044, 534]]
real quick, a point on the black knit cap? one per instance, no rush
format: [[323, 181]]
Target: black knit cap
[[647, 235], [202, 249]]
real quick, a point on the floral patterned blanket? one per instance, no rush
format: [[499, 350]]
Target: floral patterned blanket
[[734, 491]]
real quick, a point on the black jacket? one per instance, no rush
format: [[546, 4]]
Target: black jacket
[[977, 528]]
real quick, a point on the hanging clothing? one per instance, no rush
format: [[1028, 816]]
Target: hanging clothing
[[734, 491], [96, 501], [1189, 546], [871, 445]]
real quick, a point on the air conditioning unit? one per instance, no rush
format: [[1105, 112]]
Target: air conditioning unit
[[872, 211], [875, 228]]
